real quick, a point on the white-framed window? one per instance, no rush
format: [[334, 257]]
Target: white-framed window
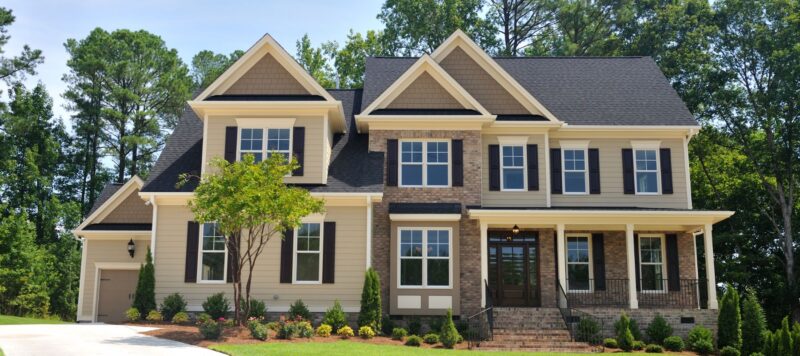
[[579, 262], [575, 174], [308, 253], [213, 254], [512, 167], [424, 163], [252, 141], [651, 262], [646, 167], [424, 258]]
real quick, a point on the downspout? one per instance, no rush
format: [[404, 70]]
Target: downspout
[[152, 202], [369, 231]]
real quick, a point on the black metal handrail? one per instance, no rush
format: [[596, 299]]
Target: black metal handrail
[[480, 326], [572, 318], [683, 293]]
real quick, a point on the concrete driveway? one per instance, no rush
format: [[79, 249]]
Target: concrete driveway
[[90, 339]]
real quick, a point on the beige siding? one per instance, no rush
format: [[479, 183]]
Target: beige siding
[[425, 93], [349, 275], [480, 84], [100, 251], [131, 210], [612, 193], [314, 144], [514, 198], [267, 76]]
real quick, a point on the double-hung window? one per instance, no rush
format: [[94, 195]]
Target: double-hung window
[[212, 254], [579, 267], [277, 142], [424, 163], [575, 172], [513, 167], [651, 265], [646, 171], [308, 253], [424, 259]]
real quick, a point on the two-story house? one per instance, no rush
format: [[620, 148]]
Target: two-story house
[[467, 181]]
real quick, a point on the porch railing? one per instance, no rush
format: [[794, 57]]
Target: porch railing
[[572, 318], [480, 326], [684, 294]]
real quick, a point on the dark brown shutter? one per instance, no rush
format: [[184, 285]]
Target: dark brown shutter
[[192, 240], [233, 263], [299, 149], [627, 171], [458, 163], [533, 167], [666, 171], [673, 266], [555, 170], [391, 163], [287, 247], [594, 171], [231, 136], [599, 261], [636, 262], [494, 167], [328, 252]]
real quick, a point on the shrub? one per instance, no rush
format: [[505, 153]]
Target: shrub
[[132, 314], [431, 338], [304, 329], [414, 326], [701, 340], [633, 326], [638, 345], [729, 351], [180, 318], [413, 340], [588, 331], [399, 334], [273, 325], [345, 332], [704, 347], [729, 330], [753, 324], [435, 324], [324, 330], [145, 297], [216, 306], [154, 316], [287, 330], [610, 343], [298, 309], [674, 343], [387, 325], [202, 318], [171, 305], [658, 330], [370, 313], [624, 336], [335, 316], [654, 349], [449, 335], [256, 308], [366, 332], [257, 330], [756, 354], [228, 323], [210, 329]]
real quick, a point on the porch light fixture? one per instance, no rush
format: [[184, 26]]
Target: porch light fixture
[[515, 229], [131, 248]]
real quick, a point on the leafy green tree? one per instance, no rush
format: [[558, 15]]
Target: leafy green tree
[[251, 204], [315, 62], [145, 297], [729, 324], [207, 66], [350, 60], [754, 323], [15, 68], [22, 291], [370, 313]]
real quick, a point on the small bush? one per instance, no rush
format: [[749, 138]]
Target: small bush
[[202, 318], [399, 334], [754, 324], [588, 331], [154, 316], [298, 309], [257, 330], [413, 340], [216, 306], [431, 338], [228, 323], [287, 330], [366, 332], [654, 349], [658, 330], [180, 318], [172, 304], [345, 332], [132, 314], [638, 345], [335, 316], [273, 325], [435, 324], [756, 354], [370, 313], [624, 336], [210, 329], [729, 351], [610, 343], [304, 329], [703, 347], [449, 335], [729, 321], [324, 330], [674, 343], [414, 326], [701, 340], [387, 325], [257, 308]]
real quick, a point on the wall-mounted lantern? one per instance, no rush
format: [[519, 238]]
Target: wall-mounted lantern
[[515, 229], [131, 248]]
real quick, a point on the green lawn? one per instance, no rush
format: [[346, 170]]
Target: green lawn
[[352, 348], [15, 320]]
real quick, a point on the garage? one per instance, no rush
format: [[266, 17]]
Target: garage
[[116, 291]]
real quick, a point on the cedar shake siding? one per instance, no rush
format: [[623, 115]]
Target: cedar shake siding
[[132, 210], [425, 93], [267, 77]]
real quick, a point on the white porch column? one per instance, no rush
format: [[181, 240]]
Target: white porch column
[[711, 278], [629, 250], [484, 261], [562, 256]]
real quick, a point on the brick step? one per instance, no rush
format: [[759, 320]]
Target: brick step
[[529, 325], [556, 347], [538, 349], [532, 332], [510, 337]]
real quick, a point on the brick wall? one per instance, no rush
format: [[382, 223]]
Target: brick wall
[[703, 317]]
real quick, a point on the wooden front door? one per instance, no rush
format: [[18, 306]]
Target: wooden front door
[[514, 268], [117, 288]]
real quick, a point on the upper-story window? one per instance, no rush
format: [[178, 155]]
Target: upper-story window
[[424, 163], [513, 167], [646, 171], [278, 141], [212, 254], [575, 172]]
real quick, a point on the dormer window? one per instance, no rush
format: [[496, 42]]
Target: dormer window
[[278, 141]]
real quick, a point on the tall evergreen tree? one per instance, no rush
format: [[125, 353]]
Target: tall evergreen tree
[[145, 297], [729, 325], [207, 66], [754, 323]]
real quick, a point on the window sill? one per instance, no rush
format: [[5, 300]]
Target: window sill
[[212, 282], [575, 193], [514, 190], [638, 193], [307, 282]]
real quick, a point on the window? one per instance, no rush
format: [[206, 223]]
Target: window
[[513, 168], [424, 163], [308, 259], [579, 268], [252, 142], [424, 258], [651, 263], [212, 254], [574, 171], [646, 171]]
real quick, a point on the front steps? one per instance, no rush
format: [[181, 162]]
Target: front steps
[[532, 329]]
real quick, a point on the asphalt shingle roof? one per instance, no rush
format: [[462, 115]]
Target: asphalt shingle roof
[[182, 154], [106, 193]]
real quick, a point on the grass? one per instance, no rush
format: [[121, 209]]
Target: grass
[[16, 320], [353, 348]]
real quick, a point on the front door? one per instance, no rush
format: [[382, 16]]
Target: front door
[[514, 268]]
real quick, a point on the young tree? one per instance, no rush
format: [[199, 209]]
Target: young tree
[[250, 204], [729, 323], [314, 62], [754, 323], [145, 297], [370, 313]]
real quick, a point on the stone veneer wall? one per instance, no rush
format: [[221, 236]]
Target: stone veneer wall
[[643, 317]]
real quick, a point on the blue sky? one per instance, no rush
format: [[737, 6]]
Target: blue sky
[[188, 26]]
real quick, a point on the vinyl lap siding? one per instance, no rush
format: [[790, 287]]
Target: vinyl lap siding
[[106, 251], [267, 77], [515, 198]]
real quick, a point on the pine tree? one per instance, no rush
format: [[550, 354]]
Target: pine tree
[[753, 324], [145, 297], [370, 314], [730, 320]]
